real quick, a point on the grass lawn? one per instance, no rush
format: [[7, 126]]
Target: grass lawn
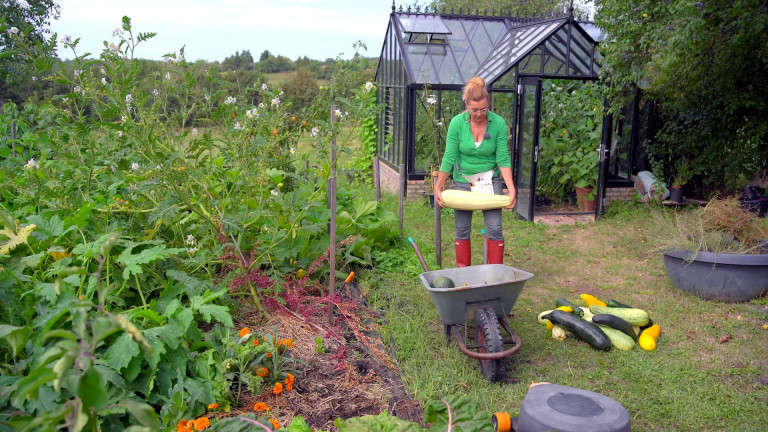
[[709, 372]]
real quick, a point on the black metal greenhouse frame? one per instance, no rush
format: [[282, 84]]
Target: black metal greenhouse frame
[[442, 50]]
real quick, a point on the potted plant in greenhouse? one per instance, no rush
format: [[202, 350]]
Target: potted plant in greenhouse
[[717, 252], [578, 166], [683, 174]]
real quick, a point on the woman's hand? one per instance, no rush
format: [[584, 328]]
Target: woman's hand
[[512, 199], [439, 198]]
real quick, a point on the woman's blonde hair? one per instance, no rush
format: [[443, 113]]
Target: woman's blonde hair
[[475, 90]]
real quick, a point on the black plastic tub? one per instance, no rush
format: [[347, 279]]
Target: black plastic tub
[[718, 276]]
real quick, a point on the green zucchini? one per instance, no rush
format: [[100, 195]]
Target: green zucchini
[[614, 303], [542, 317], [633, 316], [615, 322], [618, 338], [582, 329], [563, 302]]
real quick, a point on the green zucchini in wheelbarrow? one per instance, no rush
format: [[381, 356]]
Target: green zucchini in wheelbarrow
[[582, 329], [442, 282]]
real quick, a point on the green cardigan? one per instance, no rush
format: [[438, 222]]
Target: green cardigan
[[460, 147]]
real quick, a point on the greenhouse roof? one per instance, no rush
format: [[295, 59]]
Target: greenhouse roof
[[448, 49]]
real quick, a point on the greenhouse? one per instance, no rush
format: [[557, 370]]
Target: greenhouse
[[541, 73]]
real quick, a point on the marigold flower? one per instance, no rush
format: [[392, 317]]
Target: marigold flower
[[213, 406], [255, 342], [262, 372], [274, 132], [278, 388], [291, 378], [244, 331], [288, 387], [275, 423], [202, 423], [182, 424], [260, 406], [269, 355], [191, 424], [288, 343], [278, 342], [184, 429]]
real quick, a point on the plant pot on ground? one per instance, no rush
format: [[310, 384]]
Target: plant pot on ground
[[715, 252]]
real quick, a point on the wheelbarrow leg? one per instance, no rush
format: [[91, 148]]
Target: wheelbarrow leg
[[447, 330]]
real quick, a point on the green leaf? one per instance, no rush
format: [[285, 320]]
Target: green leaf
[[143, 412], [221, 313], [465, 415], [17, 337], [377, 423], [120, 353], [92, 389], [28, 387], [133, 262], [53, 227]]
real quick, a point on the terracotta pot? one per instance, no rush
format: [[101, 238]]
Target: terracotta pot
[[581, 197]]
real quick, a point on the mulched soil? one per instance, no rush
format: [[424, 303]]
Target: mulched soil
[[355, 376]]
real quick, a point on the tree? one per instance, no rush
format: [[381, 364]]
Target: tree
[[301, 90], [24, 22], [516, 7], [704, 64]]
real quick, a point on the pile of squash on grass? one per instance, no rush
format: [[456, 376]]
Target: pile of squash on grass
[[602, 324]]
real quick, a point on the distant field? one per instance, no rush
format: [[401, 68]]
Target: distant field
[[280, 78]]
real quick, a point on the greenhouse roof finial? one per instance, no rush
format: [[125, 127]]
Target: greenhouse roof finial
[[393, 6]]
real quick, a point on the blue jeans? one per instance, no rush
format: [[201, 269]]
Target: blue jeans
[[463, 218]]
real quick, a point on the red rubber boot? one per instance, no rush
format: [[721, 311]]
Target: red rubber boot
[[463, 253], [495, 251]]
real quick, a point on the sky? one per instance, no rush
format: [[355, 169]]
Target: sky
[[215, 29]]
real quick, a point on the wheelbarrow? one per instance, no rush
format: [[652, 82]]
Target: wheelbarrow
[[483, 295]]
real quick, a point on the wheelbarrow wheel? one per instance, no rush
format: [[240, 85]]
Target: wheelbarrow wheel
[[488, 335]]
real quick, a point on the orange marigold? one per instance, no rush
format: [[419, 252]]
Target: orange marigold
[[202, 423], [278, 388], [213, 406], [275, 424], [262, 372], [269, 355], [260, 406], [288, 387], [278, 342], [255, 342], [191, 424], [291, 378], [182, 426], [244, 331], [288, 343]]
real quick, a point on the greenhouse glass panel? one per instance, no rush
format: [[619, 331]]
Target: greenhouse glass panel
[[508, 80], [421, 66], [532, 63], [515, 44], [422, 24]]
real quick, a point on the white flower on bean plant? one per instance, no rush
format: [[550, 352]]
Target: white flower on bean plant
[[274, 192], [292, 150], [103, 72], [119, 134], [254, 113], [128, 98], [194, 131], [31, 164], [431, 100], [113, 46], [103, 81], [135, 166], [261, 104], [230, 100], [338, 113], [117, 32], [13, 31], [190, 240], [34, 78], [276, 101], [168, 76], [238, 126], [193, 250], [315, 131], [155, 92], [368, 86], [264, 86], [67, 39], [76, 72]]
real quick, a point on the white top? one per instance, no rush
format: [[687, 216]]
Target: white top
[[477, 143]]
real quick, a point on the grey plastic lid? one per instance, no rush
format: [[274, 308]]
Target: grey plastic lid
[[553, 407]]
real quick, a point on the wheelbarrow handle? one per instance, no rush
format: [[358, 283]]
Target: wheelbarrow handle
[[418, 254]]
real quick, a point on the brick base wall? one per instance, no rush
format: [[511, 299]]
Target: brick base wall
[[390, 182]]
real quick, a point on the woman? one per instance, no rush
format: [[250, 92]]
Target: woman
[[477, 142]]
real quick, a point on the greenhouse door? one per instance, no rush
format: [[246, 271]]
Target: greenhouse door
[[527, 148]]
